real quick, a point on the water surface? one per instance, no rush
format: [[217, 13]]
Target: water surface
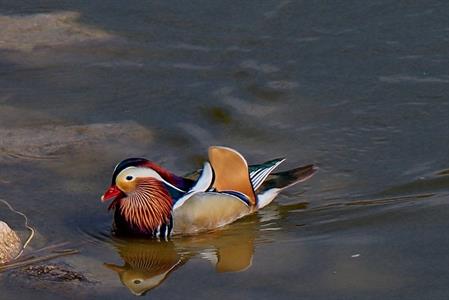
[[359, 88]]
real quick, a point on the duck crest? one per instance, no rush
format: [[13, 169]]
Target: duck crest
[[177, 181], [147, 210]]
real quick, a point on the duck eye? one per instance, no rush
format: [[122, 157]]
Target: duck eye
[[129, 178], [137, 281]]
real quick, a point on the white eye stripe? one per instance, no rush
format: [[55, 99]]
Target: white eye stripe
[[137, 172]]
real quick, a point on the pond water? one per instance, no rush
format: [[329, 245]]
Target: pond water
[[360, 88]]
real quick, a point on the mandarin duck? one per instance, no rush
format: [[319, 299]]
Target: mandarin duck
[[150, 201]]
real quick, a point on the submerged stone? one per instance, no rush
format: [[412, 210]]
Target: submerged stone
[[52, 272], [28, 32], [49, 142]]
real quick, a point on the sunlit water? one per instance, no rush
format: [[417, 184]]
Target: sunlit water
[[359, 88]]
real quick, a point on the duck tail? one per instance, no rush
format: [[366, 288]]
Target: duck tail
[[277, 182]]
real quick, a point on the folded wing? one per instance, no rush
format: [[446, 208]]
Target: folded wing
[[231, 172]]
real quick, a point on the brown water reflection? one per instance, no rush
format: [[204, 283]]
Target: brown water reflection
[[148, 263]]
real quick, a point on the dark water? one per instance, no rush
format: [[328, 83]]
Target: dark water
[[360, 88]]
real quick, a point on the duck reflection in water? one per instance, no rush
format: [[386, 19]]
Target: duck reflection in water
[[147, 263]]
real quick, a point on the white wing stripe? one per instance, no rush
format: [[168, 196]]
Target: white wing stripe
[[205, 179], [257, 180], [259, 176], [202, 184]]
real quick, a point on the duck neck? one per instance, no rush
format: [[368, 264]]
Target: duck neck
[[146, 211]]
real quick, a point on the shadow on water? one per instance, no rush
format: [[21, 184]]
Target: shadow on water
[[148, 263]]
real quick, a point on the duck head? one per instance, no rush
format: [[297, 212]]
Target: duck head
[[141, 195]]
